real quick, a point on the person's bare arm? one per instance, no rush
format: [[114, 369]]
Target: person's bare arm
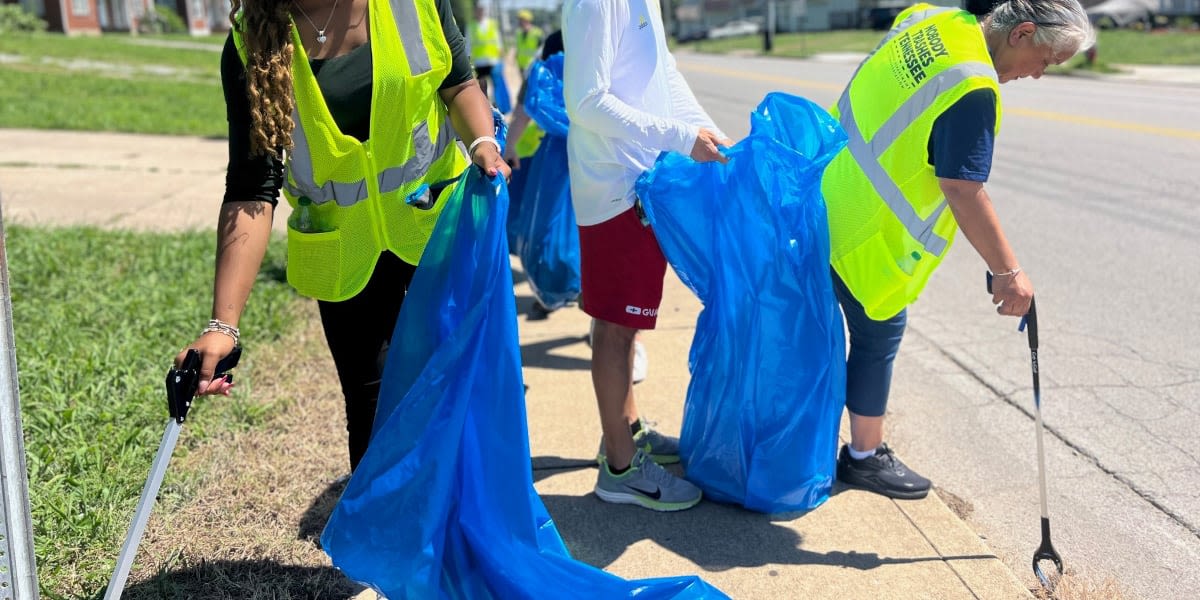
[[471, 116], [243, 231], [516, 128], [978, 221]]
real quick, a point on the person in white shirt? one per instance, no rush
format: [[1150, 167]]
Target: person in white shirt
[[627, 103]]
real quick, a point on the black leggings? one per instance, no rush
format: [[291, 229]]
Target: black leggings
[[358, 331]]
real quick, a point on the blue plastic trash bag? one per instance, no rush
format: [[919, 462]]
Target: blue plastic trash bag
[[546, 235], [751, 239], [516, 187], [544, 95], [500, 90], [547, 239], [442, 505]]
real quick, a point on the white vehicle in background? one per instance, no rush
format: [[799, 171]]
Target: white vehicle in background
[[734, 29]]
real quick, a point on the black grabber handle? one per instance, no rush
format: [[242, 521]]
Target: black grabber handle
[[182, 382]]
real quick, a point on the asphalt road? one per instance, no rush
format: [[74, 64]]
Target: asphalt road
[[1094, 182]]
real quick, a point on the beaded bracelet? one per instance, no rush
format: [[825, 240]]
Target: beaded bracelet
[[225, 328]]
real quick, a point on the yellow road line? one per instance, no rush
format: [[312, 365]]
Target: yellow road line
[[1186, 134]]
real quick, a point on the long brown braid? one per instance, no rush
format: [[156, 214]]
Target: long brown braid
[[266, 28]]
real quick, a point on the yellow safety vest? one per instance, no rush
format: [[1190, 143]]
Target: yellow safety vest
[[528, 43], [529, 141], [888, 223], [368, 195], [485, 41]]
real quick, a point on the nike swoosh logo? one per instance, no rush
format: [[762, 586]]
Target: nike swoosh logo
[[655, 495]]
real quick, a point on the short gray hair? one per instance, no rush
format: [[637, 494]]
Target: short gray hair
[[1061, 24]]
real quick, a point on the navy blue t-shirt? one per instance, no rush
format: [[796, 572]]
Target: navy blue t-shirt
[[960, 146]]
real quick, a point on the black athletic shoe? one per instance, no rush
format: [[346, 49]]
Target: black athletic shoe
[[883, 474]]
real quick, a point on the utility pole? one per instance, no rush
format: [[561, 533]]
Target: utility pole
[[668, 17], [769, 28], [18, 568]]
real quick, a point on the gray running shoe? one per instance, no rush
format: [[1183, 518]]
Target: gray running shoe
[[646, 484], [662, 449]]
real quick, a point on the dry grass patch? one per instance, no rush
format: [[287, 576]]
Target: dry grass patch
[[1073, 586], [251, 525], [960, 507]]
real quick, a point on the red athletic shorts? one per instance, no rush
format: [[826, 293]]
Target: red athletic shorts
[[622, 271]]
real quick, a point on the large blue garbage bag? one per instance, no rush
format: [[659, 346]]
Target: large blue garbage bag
[[546, 235], [516, 188], [544, 95], [442, 504], [751, 239], [500, 90]]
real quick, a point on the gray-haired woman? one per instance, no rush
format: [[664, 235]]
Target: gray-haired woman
[[921, 114]]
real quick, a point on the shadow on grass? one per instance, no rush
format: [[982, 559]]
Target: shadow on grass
[[244, 580], [312, 523]]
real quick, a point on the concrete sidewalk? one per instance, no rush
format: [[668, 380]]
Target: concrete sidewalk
[[857, 545]]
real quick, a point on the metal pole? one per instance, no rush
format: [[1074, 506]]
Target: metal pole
[[769, 28], [18, 575]]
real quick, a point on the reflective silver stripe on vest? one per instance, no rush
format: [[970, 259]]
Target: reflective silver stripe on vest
[[425, 152], [300, 167], [923, 99], [867, 155], [409, 25]]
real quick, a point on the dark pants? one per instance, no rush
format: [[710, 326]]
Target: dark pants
[[483, 75], [873, 347], [358, 331]]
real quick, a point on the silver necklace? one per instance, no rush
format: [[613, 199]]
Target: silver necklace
[[320, 30]]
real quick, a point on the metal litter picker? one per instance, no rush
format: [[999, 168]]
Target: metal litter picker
[[1045, 551], [181, 388]]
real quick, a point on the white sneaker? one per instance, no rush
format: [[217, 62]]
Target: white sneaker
[[640, 362]]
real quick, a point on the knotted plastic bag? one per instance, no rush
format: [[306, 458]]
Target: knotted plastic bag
[[751, 239], [547, 237], [442, 504]]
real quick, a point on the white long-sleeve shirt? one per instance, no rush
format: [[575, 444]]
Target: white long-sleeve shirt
[[626, 100]]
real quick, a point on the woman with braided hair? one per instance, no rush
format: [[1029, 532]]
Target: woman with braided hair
[[354, 109]]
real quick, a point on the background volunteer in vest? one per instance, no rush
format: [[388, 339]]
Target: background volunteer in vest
[[529, 39], [627, 102], [486, 48], [337, 37], [924, 109], [518, 122]]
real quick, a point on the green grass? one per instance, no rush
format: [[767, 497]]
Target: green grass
[[1157, 48], [1116, 46], [107, 83], [53, 99], [115, 48], [98, 318]]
